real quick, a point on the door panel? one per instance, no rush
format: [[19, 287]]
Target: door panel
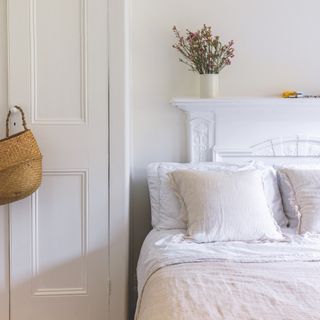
[[58, 72], [57, 217], [58, 51]]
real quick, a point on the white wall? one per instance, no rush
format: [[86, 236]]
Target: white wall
[[277, 48], [4, 295]]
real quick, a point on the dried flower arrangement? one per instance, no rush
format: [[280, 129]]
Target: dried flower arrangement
[[202, 51]]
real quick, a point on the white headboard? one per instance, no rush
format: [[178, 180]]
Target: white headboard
[[265, 128]]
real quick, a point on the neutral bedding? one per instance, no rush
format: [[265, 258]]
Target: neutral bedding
[[180, 279]]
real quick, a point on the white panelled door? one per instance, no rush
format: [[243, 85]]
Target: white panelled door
[[58, 72]]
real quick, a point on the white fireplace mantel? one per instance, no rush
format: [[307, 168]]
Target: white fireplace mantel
[[251, 127], [189, 104]]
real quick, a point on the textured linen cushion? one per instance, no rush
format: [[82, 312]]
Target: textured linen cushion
[[288, 199], [165, 206], [225, 206], [287, 192], [305, 184]]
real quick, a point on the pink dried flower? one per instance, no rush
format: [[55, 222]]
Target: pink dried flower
[[202, 51]]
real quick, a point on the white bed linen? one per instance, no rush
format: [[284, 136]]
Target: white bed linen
[[169, 247]]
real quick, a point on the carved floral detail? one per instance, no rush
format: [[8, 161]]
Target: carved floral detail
[[201, 147]]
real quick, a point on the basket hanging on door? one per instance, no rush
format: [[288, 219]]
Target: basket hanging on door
[[20, 164]]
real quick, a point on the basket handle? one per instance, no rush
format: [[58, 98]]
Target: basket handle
[[24, 124]]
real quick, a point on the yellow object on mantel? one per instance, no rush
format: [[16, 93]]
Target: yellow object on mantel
[[295, 94], [289, 94]]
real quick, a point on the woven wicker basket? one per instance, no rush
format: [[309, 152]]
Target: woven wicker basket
[[20, 164]]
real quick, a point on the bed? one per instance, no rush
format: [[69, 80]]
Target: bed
[[179, 278]]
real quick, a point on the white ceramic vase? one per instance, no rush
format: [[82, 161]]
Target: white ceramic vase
[[209, 85]]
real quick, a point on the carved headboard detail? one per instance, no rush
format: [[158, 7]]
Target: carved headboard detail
[[251, 127], [297, 146]]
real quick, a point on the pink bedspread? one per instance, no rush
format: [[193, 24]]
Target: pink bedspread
[[182, 280], [228, 290]]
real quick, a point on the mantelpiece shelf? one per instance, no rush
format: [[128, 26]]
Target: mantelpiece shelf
[[189, 104]]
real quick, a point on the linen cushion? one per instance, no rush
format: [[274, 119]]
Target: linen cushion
[[287, 192], [288, 200], [305, 184], [225, 205], [166, 210]]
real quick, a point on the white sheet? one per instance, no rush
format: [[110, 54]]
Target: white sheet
[[199, 266], [167, 247]]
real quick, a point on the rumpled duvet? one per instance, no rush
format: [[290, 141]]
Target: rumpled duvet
[[179, 279]]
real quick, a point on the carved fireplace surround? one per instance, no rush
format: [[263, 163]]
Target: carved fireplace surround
[[223, 128]]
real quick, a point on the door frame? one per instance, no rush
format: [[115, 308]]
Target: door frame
[[119, 161], [4, 219]]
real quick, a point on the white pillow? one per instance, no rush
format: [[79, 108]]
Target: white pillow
[[287, 192], [165, 207], [225, 205], [305, 184]]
